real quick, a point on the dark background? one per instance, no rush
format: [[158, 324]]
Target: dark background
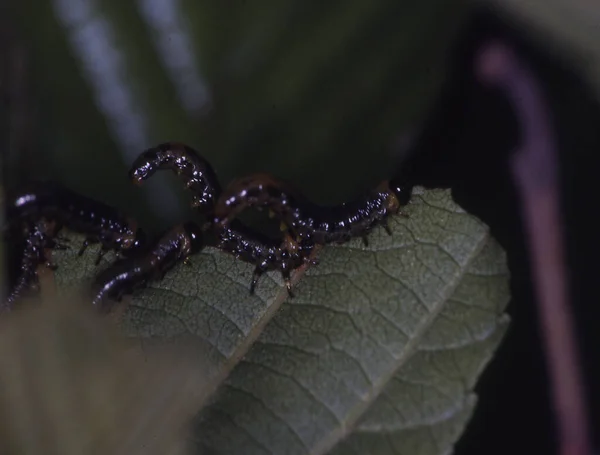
[[335, 136], [466, 145]]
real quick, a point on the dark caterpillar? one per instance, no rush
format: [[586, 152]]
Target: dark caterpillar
[[321, 224], [98, 221], [196, 173], [38, 237], [265, 253], [129, 274], [401, 184], [242, 242]]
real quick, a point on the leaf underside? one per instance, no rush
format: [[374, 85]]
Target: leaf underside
[[378, 353]]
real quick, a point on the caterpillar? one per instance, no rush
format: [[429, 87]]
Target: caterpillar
[[98, 221], [129, 274], [43, 209], [239, 240], [265, 253], [321, 224], [196, 173], [36, 239]]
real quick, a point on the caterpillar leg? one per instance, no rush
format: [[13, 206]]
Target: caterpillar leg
[[61, 242], [285, 273], [43, 259], [100, 255], [84, 245], [59, 246], [258, 272], [56, 243], [386, 225]]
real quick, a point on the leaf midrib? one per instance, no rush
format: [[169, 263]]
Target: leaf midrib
[[248, 341]]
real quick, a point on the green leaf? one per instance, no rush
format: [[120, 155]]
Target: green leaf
[[378, 352]]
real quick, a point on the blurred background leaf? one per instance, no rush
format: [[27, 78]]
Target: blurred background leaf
[[71, 384], [316, 93], [569, 26]]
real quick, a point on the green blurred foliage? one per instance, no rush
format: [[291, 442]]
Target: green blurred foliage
[[317, 93]]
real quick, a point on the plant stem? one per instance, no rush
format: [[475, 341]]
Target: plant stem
[[534, 166]]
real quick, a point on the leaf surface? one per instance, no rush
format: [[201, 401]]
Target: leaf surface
[[378, 353]]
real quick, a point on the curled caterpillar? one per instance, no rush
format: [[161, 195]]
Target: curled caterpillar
[[57, 204], [335, 224], [196, 173], [129, 274], [239, 240]]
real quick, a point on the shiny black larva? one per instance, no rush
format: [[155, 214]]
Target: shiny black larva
[[196, 173], [66, 208], [129, 274], [309, 221], [239, 240]]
